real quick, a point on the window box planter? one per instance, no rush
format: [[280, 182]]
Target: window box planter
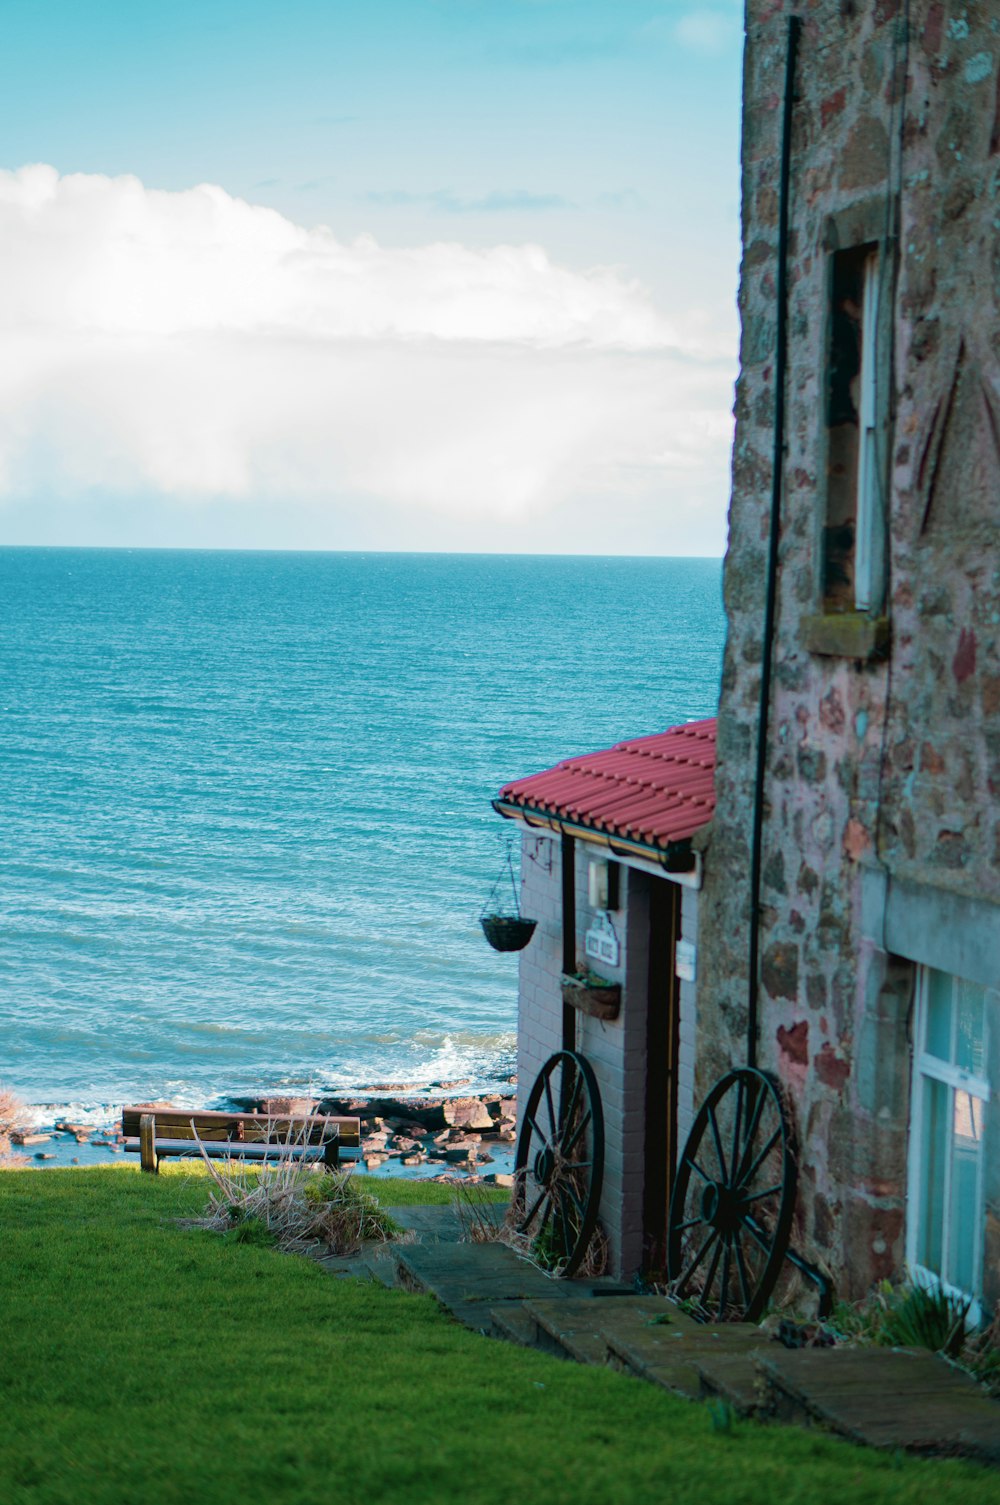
[[592, 995]]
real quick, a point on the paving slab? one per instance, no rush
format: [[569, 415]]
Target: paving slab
[[512, 1322], [576, 1325], [733, 1377], [886, 1398], [471, 1272], [434, 1225]]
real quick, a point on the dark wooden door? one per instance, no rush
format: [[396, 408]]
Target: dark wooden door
[[662, 1037]]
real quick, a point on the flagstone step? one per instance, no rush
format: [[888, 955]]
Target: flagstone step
[[490, 1273], [885, 1398], [511, 1321], [577, 1326]]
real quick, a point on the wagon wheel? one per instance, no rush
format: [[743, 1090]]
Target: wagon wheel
[[560, 1162], [732, 1203]]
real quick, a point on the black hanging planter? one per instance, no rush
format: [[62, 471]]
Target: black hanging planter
[[506, 932]]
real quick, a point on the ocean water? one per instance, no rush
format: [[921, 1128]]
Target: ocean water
[[246, 829]]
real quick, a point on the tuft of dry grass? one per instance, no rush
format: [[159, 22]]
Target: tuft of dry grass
[[12, 1113], [293, 1205], [479, 1227]]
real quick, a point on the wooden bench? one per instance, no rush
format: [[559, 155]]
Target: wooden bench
[[155, 1133]]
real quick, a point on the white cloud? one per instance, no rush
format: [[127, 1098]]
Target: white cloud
[[710, 31], [197, 346]]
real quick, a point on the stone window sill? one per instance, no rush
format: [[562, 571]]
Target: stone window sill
[[847, 634]]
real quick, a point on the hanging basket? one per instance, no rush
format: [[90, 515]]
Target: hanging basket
[[507, 932]]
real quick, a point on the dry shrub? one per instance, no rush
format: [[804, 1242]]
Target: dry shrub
[[289, 1204], [480, 1225], [479, 1217], [12, 1113]]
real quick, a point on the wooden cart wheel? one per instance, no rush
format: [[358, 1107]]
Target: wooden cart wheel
[[733, 1199], [559, 1165]]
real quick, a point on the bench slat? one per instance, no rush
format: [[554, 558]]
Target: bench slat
[[235, 1151], [251, 1136]]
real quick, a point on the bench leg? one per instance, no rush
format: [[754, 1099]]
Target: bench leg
[[331, 1154], [147, 1143]]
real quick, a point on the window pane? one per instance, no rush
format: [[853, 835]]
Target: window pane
[[969, 1052], [938, 1032], [934, 1151], [963, 1216]]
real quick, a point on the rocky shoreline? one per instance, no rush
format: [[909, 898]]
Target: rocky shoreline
[[405, 1130]]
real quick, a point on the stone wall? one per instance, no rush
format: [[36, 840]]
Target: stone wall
[[876, 764]]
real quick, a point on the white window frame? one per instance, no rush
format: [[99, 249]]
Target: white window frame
[[868, 549], [930, 1067]]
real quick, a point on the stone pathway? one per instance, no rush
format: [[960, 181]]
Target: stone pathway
[[884, 1398]]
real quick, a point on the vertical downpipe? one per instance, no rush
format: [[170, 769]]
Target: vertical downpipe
[[569, 934], [774, 536]]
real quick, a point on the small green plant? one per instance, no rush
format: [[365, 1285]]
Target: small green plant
[[721, 1416], [548, 1248], [252, 1231], [927, 1317], [908, 1316]]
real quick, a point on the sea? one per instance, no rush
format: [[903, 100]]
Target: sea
[[246, 824]]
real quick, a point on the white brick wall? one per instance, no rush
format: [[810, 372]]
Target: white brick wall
[[616, 1049]]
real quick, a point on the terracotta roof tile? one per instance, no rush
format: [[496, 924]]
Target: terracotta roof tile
[[653, 790]]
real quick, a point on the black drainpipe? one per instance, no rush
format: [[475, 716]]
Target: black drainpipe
[[777, 469]]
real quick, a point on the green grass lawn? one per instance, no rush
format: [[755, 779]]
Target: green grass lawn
[[145, 1364]]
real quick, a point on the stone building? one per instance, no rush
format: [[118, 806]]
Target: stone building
[[879, 852]]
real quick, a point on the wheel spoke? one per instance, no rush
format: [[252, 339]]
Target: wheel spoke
[[569, 1143], [742, 1271], [688, 1160], [748, 1178], [718, 1142], [768, 1191], [691, 1223], [535, 1128], [571, 1191], [549, 1105], [759, 1235], [737, 1124], [724, 1288], [713, 1235], [568, 1236], [709, 1278], [571, 1106], [534, 1207], [752, 1126]]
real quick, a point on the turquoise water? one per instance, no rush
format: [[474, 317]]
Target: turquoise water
[[247, 828]]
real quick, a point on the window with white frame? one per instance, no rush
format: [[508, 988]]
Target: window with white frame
[[853, 563], [951, 1093]]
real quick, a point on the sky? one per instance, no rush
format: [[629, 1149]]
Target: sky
[[358, 274]]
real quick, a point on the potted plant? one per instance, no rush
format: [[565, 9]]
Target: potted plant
[[592, 994]]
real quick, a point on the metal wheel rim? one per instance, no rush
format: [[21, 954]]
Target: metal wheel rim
[[559, 1165], [733, 1199]]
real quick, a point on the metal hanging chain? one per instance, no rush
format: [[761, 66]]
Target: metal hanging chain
[[494, 894]]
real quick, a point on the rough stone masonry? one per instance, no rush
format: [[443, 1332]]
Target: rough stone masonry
[[884, 724]]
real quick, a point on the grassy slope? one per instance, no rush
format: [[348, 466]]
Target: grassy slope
[[146, 1364]]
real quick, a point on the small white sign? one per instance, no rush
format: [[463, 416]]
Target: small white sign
[[600, 941], [686, 961]]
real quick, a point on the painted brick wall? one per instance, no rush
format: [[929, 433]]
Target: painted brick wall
[[893, 764], [616, 1049]]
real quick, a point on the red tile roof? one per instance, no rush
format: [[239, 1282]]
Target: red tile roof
[[653, 791]]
